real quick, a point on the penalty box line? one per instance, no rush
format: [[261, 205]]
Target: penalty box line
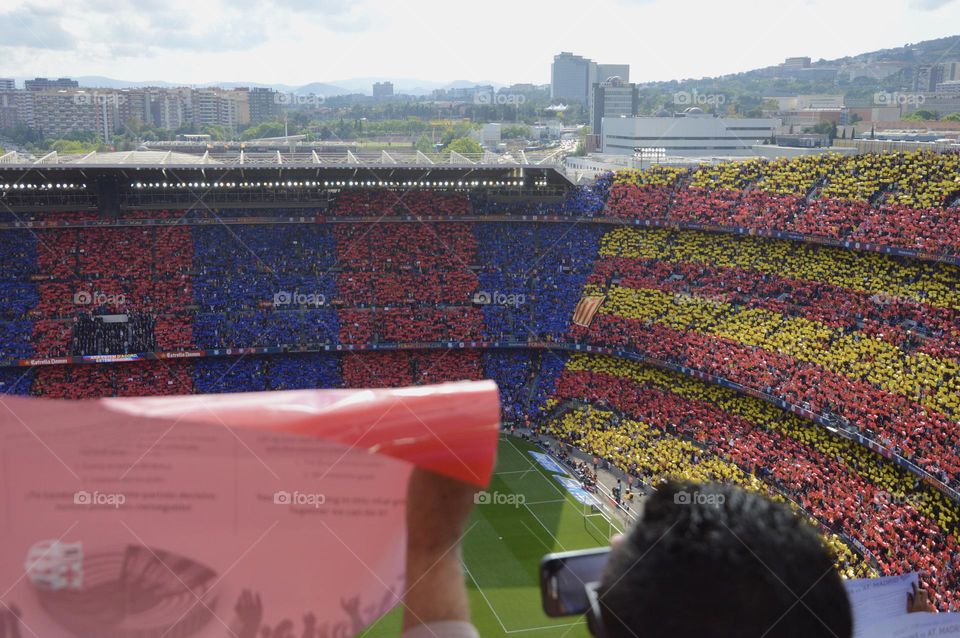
[[500, 620]]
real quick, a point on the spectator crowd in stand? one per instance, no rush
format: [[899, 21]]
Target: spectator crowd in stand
[[18, 255], [654, 424], [905, 200], [873, 370], [869, 341]]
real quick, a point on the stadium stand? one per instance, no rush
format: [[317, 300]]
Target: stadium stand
[[736, 307], [901, 522], [869, 341], [892, 199]]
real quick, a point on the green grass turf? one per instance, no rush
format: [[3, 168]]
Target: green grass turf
[[503, 548]]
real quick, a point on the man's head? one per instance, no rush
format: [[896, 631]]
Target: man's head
[[715, 560]]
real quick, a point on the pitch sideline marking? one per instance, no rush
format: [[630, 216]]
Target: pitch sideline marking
[[497, 616]]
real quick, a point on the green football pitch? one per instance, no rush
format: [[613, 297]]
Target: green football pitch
[[504, 544]]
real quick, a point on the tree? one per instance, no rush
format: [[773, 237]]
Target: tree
[[464, 146], [953, 117], [515, 131], [263, 129], [217, 132], [921, 115], [824, 128], [75, 147], [23, 135], [455, 131], [424, 145]]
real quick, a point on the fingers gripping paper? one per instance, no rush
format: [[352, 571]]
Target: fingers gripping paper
[[248, 515]]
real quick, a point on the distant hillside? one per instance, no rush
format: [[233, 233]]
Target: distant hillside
[[858, 77], [926, 52], [409, 86]]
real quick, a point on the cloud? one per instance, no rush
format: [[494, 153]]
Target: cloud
[[155, 32], [929, 5], [34, 27], [144, 28]]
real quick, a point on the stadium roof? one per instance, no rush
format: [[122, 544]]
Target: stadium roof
[[237, 159], [97, 158]]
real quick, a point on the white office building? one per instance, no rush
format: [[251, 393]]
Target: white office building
[[691, 133], [613, 97]]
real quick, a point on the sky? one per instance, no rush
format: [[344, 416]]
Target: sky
[[297, 42]]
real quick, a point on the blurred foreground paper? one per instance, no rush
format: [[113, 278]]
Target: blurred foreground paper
[[274, 514]]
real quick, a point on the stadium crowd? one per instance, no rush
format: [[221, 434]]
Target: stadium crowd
[[904, 393], [532, 275], [869, 340], [669, 425], [893, 199]]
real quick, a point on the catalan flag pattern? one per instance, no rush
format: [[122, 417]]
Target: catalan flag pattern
[[586, 309]]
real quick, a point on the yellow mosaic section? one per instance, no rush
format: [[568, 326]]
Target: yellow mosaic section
[[797, 176], [660, 457], [928, 380], [919, 179], [732, 175], [872, 273], [887, 476], [656, 175]]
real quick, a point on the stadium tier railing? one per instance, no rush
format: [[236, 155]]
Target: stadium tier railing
[[619, 473], [319, 217], [829, 422]]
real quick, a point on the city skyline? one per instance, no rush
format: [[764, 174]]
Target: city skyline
[[296, 42]]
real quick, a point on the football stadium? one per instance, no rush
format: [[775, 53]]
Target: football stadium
[[789, 326]]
